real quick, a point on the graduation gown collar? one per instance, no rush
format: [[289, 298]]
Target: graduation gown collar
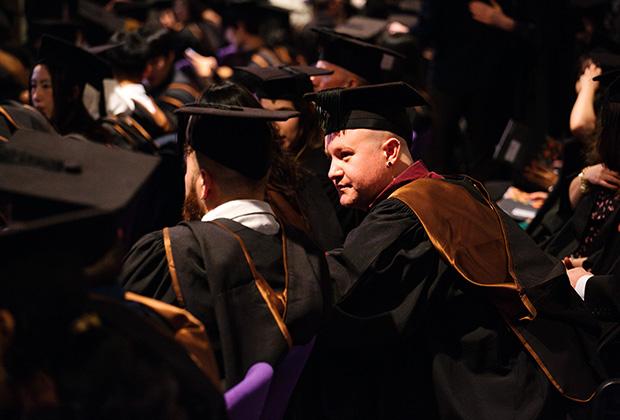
[[417, 170]]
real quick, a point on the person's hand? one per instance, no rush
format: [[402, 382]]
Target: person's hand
[[397, 28], [574, 274], [577, 262], [204, 66], [585, 81], [490, 14], [600, 175], [537, 199]]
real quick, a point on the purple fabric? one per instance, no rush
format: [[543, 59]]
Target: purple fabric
[[245, 400], [284, 380]]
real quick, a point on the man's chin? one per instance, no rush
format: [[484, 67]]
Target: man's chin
[[348, 202]]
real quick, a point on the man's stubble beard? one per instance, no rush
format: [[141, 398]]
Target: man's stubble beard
[[192, 210]]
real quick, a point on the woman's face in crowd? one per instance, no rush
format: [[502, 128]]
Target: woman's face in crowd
[[41, 91], [289, 129]]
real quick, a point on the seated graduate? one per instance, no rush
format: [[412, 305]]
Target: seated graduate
[[248, 26], [595, 197], [126, 96], [72, 344], [353, 62], [255, 283], [447, 309], [301, 139], [170, 86], [57, 86], [198, 25]]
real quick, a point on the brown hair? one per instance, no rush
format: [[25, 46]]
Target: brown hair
[[606, 147]]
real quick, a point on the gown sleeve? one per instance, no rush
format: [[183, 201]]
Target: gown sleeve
[[145, 269]]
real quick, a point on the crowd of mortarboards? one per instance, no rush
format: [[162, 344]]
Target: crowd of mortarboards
[[337, 209]]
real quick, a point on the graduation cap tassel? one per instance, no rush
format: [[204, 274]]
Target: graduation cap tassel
[[329, 109]]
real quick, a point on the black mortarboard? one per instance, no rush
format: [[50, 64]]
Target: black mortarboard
[[98, 22], [211, 128], [284, 82], [79, 63], [359, 57], [139, 10], [254, 11], [65, 30], [50, 181], [376, 107], [362, 27], [410, 6]]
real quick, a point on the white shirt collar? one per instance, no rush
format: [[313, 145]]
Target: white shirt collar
[[254, 214]]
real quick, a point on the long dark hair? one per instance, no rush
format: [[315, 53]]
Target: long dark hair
[[606, 147], [310, 134], [67, 96]]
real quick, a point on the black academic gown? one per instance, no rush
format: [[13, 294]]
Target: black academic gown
[[15, 116], [603, 298], [177, 91], [411, 339], [218, 287]]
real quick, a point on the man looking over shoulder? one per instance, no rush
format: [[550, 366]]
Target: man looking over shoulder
[[446, 308]]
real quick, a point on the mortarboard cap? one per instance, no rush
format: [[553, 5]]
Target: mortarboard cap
[[410, 6], [58, 193], [362, 27], [140, 10], [284, 82], [62, 29], [254, 11], [210, 128], [98, 23], [376, 107], [359, 57], [79, 63]]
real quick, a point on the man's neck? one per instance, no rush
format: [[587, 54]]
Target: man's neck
[[412, 172], [216, 202]]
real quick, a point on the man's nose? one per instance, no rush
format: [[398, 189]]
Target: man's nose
[[335, 171]]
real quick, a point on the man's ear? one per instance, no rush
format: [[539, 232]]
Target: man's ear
[[205, 184], [7, 328], [148, 69], [391, 150], [352, 82]]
